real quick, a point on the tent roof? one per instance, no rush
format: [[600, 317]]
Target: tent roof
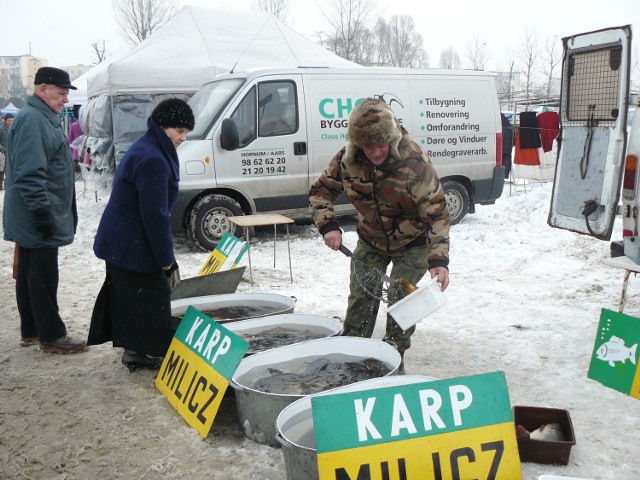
[[79, 96], [199, 43]]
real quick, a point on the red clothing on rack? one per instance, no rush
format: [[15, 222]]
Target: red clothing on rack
[[549, 125]]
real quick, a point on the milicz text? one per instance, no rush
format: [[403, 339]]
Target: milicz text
[[174, 376], [364, 472]]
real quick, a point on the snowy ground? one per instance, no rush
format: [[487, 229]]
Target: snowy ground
[[524, 299]]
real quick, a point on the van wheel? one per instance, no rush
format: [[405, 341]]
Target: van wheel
[[209, 220], [457, 200]]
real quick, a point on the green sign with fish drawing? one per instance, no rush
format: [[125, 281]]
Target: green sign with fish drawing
[[614, 362]]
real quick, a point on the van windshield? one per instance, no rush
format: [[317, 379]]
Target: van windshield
[[208, 102]]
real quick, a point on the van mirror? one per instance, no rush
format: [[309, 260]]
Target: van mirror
[[229, 139]]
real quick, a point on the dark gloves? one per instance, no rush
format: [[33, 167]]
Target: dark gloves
[[43, 223], [173, 276]]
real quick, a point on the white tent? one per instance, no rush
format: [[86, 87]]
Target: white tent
[[79, 96], [200, 43], [191, 49]]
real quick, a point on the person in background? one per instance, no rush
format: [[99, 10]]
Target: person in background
[[133, 308], [402, 213], [507, 145], [40, 210], [75, 131], [4, 137]]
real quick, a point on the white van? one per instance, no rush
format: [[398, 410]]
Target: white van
[[262, 138]]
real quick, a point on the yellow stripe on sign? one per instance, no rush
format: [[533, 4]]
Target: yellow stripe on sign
[[213, 263], [635, 386], [192, 386], [487, 452]]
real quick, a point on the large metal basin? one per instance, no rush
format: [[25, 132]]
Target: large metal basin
[[217, 283], [258, 410], [236, 306], [294, 425], [317, 325]]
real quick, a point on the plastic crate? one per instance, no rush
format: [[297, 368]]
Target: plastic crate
[[544, 451]]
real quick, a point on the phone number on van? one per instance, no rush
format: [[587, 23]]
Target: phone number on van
[[264, 166]]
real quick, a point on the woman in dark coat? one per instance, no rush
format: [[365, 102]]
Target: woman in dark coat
[[133, 309]]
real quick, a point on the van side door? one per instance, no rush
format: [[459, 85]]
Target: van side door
[[593, 117], [270, 167]]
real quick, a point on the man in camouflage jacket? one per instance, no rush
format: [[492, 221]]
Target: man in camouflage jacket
[[402, 213]]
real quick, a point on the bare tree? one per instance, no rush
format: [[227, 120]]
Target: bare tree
[[551, 57], [372, 54], [404, 45], [528, 55], [449, 58], [278, 8], [100, 51], [140, 18], [477, 51], [349, 33]]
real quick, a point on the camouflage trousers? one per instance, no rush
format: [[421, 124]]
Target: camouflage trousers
[[362, 308]]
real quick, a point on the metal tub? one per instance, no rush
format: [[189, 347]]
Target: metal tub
[[294, 425], [217, 283], [236, 306], [303, 322], [258, 410]]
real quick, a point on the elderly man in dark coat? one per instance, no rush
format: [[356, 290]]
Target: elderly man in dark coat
[[40, 209]]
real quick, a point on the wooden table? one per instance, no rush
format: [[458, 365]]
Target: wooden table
[[261, 220]]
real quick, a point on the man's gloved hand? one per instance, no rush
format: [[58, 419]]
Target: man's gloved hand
[[43, 223]]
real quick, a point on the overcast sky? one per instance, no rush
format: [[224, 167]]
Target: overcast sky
[[62, 31]]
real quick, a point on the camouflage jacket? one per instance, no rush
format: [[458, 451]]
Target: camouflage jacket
[[400, 203]]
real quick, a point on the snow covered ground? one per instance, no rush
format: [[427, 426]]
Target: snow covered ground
[[524, 299]]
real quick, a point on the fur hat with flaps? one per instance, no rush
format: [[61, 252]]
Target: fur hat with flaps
[[373, 124], [174, 113]]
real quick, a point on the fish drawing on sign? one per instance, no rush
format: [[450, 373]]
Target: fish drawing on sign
[[615, 351]]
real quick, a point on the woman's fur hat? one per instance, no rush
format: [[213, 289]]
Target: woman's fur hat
[[373, 124], [174, 113]]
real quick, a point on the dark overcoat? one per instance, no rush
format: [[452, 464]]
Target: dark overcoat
[[135, 228], [39, 178]]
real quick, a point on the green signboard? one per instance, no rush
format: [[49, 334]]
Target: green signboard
[[456, 428], [614, 361], [195, 373]]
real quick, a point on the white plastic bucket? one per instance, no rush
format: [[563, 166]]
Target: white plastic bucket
[[317, 325], [258, 410], [274, 302], [416, 306], [294, 425]]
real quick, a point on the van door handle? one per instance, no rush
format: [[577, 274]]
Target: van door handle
[[299, 148]]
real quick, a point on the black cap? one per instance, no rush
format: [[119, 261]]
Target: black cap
[[53, 76], [8, 116], [174, 113]]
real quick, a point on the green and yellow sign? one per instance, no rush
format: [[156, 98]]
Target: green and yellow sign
[[614, 361], [225, 256], [195, 373], [460, 428]]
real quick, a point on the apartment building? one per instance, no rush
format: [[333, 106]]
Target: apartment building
[[17, 74]]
